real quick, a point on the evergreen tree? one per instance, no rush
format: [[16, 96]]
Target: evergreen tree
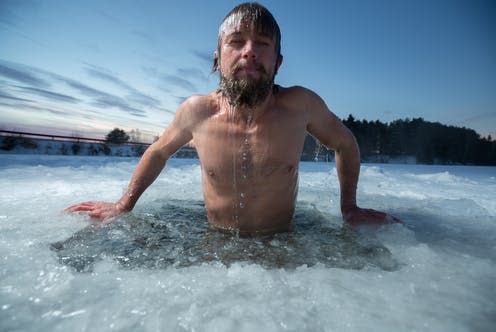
[[117, 136], [428, 142]]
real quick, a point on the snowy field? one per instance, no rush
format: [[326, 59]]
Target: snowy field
[[161, 269]]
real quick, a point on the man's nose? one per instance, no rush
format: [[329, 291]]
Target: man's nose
[[249, 50]]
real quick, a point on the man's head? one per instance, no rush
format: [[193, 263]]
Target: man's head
[[248, 54], [249, 14]]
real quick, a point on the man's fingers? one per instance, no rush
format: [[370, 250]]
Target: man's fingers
[[97, 214], [78, 208], [96, 210], [81, 207]]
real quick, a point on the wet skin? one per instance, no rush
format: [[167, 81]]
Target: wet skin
[[249, 156], [250, 165]]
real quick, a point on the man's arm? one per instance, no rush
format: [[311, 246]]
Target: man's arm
[[331, 132], [151, 164]]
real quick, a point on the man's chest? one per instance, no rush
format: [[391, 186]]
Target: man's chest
[[257, 151]]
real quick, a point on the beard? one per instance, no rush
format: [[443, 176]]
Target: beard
[[246, 92]]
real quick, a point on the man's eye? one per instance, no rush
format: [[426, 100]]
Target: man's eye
[[263, 42]]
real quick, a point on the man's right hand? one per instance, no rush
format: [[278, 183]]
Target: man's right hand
[[103, 211]]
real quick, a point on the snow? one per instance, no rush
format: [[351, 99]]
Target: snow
[[160, 268]]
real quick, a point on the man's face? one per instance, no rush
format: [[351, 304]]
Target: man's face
[[247, 54], [248, 64]]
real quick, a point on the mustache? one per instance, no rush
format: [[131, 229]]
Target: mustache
[[237, 67]]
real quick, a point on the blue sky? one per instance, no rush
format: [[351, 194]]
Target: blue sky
[[85, 67]]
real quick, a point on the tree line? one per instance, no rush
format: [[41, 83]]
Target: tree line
[[423, 141], [428, 142]]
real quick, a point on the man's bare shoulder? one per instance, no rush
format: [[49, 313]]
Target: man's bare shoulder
[[200, 105], [197, 108], [290, 91], [297, 97], [296, 93]]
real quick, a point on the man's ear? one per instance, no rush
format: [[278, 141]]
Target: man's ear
[[215, 66], [279, 60]]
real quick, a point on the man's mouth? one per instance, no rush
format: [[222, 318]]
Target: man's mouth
[[248, 69]]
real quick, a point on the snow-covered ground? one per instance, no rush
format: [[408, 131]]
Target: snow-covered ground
[[160, 269], [24, 145]]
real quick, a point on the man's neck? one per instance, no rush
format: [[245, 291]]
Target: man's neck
[[245, 113]]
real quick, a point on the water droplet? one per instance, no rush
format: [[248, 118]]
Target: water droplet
[[241, 205], [242, 195]]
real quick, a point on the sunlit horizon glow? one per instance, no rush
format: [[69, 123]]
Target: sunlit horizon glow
[[88, 67]]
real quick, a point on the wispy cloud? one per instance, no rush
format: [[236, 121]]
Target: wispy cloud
[[192, 74], [204, 56], [10, 10], [83, 88], [103, 99], [36, 81], [49, 94], [110, 17], [100, 98], [187, 78], [166, 110], [21, 74], [479, 117], [179, 82], [7, 16], [109, 101], [134, 94], [14, 20], [483, 121], [5, 95], [103, 74], [149, 38], [21, 105], [144, 100]]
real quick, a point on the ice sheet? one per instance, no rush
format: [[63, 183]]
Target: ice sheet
[[435, 272]]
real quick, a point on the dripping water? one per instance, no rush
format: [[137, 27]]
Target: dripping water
[[240, 167], [245, 157], [232, 134]]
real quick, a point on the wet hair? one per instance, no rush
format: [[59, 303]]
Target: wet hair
[[250, 14]]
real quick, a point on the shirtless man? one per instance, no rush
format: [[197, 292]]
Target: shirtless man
[[249, 136]]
